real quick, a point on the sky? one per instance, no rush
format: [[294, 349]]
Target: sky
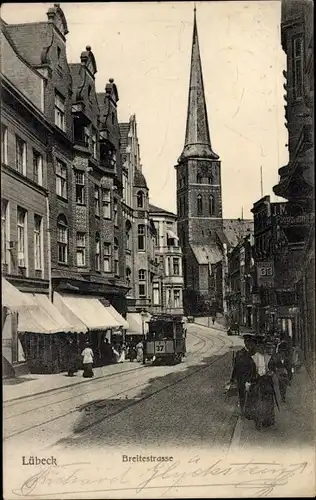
[[146, 48]]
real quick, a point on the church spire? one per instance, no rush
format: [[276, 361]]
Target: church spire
[[197, 136]]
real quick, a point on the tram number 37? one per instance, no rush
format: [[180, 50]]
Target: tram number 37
[[160, 347]]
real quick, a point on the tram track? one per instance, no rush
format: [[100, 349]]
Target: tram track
[[195, 354]]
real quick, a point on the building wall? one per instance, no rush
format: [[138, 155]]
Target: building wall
[[168, 255]]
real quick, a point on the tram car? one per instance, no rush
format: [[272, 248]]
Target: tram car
[[165, 341]]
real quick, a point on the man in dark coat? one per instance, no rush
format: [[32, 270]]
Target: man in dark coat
[[244, 369]]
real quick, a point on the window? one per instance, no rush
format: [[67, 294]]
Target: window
[[140, 199], [61, 179], [142, 275], [37, 168], [199, 178], [156, 294], [4, 144], [20, 155], [142, 282], [97, 200], [210, 179], [298, 66], [80, 187], [128, 228], [176, 297], [115, 208], [199, 205], [59, 111], [176, 266], [4, 230], [141, 237], [97, 252], [37, 242], [94, 144], [107, 257], [22, 237], [106, 203], [211, 205], [81, 249], [116, 257], [62, 239]]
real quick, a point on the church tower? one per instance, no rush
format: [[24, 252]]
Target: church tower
[[199, 198]]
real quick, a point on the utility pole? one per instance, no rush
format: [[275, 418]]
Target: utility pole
[[261, 181]]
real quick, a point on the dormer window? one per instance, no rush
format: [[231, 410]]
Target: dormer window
[[140, 199]]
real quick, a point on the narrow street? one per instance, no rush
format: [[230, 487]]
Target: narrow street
[[183, 404]]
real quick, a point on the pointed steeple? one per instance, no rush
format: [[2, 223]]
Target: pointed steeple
[[197, 137]]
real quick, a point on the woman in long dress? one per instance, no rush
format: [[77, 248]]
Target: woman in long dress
[[261, 394], [121, 357], [140, 352], [87, 355]]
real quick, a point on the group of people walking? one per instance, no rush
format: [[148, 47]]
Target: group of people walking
[[106, 354], [262, 372]]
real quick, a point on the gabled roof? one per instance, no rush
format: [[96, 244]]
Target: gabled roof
[[32, 41], [207, 254], [234, 230], [157, 210]]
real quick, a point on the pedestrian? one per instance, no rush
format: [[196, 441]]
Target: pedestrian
[[132, 353], [213, 319], [107, 352], [87, 355], [282, 368], [140, 352], [122, 354], [244, 369], [72, 354], [261, 393]]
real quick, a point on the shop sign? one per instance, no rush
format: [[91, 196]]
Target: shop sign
[[294, 220], [265, 274]]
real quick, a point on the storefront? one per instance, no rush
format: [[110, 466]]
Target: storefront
[[101, 321]]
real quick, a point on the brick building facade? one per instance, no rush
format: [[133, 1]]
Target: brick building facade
[[296, 183]]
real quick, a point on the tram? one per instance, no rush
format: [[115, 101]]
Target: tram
[[165, 341]]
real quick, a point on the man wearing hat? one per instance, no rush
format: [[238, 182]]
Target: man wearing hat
[[244, 369]]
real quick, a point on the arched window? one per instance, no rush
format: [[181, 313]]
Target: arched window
[[210, 179], [199, 178], [199, 205], [62, 239], [140, 199], [97, 252], [211, 205], [116, 257], [128, 228]]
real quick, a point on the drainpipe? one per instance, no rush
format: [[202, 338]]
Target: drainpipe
[[49, 253]]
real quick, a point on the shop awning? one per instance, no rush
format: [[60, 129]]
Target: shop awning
[[135, 323], [13, 298], [88, 310], [42, 317], [118, 317]]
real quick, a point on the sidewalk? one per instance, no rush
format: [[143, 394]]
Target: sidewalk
[[34, 384], [295, 422]]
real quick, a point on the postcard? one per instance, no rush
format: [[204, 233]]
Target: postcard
[[157, 249]]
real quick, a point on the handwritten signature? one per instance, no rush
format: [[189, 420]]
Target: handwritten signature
[[261, 477]]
